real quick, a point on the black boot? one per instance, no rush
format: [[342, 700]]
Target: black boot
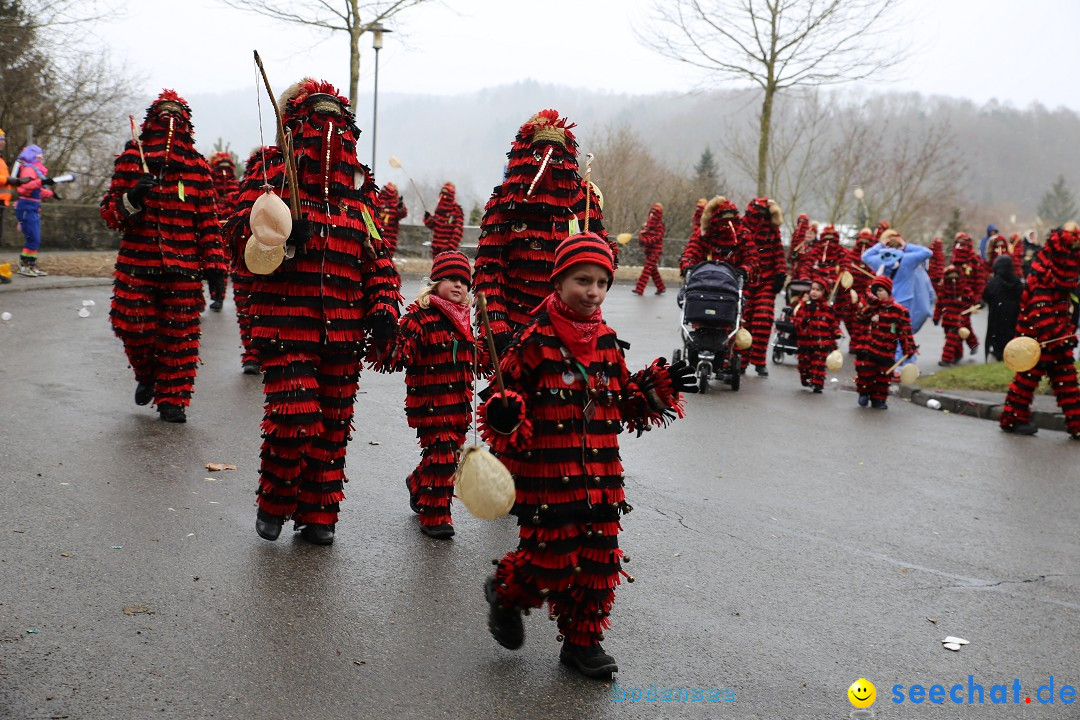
[[503, 622], [1021, 428], [144, 393], [589, 660], [762, 370], [251, 367], [318, 534], [172, 413], [439, 532], [268, 529]]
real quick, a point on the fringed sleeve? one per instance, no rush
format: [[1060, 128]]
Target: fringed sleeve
[[650, 400]]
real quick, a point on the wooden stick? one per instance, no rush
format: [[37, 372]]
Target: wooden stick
[[973, 308], [481, 307], [138, 144], [1044, 343], [588, 187], [290, 161], [864, 271], [897, 364]]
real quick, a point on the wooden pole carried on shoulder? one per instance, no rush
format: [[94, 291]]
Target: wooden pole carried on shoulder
[[286, 140]]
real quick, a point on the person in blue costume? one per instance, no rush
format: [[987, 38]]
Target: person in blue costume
[[905, 264]]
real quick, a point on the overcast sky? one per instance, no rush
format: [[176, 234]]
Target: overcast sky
[[1015, 51]]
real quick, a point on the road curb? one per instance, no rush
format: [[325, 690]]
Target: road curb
[[982, 409]]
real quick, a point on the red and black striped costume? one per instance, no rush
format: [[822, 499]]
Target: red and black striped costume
[[936, 267], [651, 238], [817, 328], [695, 221], [166, 246], [223, 171], [761, 228], [241, 276], [392, 211], [313, 317], [951, 301], [721, 238], [803, 234], [437, 355], [447, 223], [887, 324], [564, 457], [521, 230], [972, 276], [1047, 314]]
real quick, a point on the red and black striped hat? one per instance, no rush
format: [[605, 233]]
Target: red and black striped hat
[[451, 265], [881, 281], [580, 249]]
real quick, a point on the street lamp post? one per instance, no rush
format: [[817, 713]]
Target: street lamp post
[[864, 214], [377, 31]]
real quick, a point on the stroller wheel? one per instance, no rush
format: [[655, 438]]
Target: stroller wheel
[[777, 355]]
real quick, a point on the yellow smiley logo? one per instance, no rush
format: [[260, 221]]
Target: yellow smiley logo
[[862, 693]]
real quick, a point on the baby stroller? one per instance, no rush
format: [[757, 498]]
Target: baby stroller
[[711, 302], [786, 340]]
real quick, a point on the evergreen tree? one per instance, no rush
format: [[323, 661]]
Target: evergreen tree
[[476, 215], [707, 174], [955, 225], [1058, 204]]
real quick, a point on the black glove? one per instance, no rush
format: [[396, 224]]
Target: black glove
[[504, 418], [937, 321], [381, 327], [683, 377], [778, 283], [502, 341], [300, 234], [48, 181], [743, 275], [138, 193]]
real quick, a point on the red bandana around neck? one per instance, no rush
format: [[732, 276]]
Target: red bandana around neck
[[457, 312], [577, 333]]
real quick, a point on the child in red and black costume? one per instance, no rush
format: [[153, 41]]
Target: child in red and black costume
[[651, 238], [569, 395], [436, 349], [936, 267], [1047, 314], [951, 302], [817, 329], [447, 224], [392, 211], [887, 324], [972, 276]]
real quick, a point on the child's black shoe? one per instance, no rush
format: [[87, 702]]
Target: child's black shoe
[[503, 622], [318, 534], [144, 393], [172, 413], [439, 532], [589, 660]]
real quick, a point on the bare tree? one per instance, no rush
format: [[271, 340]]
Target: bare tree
[[776, 45], [352, 17]]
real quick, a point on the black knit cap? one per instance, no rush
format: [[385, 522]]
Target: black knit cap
[[579, 249], [451, 265]]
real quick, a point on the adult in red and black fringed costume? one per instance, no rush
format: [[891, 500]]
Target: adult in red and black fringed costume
[[541, 201], [569, 394], [761, 226], [1048, 315], [171, 241], [887, 324], [721, 238], [936, 267], [241, 276], [952, 300], [333, 301], [436, 349], [972, 277], [226, 188], [817, 329], [392, 211], [802, 236], [695, 221], [447, 224], [651, 238]]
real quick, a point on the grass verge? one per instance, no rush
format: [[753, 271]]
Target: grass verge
[[991, 377]]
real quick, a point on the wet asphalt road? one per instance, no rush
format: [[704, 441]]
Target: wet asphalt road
[[784, 545]]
